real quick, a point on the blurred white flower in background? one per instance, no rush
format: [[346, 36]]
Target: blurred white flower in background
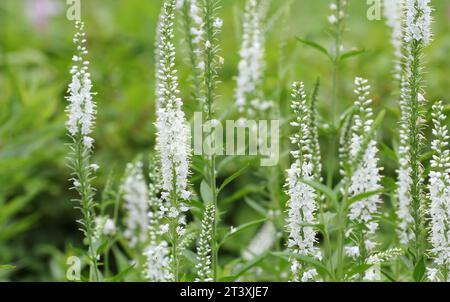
[[39, 12]]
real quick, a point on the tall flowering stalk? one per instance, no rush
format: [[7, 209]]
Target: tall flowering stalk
[[417, 21], [135, 194], [439, 187], [210, 63], [366, 178], [81, 117], [249, 96], [302, 204], [173, 136], [337, 21], [158, 264], [204, 250], [404, 180]]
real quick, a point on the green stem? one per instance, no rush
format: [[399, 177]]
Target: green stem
[[85, 191], [334, 103], [342, 225], [415, 152], [209, 75], [115, 219]]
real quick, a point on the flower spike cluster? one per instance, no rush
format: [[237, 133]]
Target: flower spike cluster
[[135, 194], [338, 12], [173, 135], [416, 34], [173, 138], [81, 108], [204, 245], [248, 93], [439, 187], [404, 181], [302, 204], [366, 178], [157, 252], [418, 21], [393, 13]]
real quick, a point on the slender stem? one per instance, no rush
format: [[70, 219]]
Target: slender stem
[[334, 98], [210, 85], [326, 236], [173, 229], [85, 191], [115, 218], [215, 249], [415, 151], [342, 223]]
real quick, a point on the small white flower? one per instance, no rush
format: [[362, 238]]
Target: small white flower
[[94, 167], [218, 23], [165, 228], [420, 97], [332, 19], [352, 251], [432, 274], [109, 228], [76, 183], [309, 275]]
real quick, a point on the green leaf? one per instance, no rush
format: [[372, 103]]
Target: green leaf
[[7, 267], [358, 269], [241, 193], [190, 256], [389, 183], [419, 270], [252, 263], [240, 228], [316, 46], [206, 192], [233, 177], [103, 246], [427, 155], [351, 53], [256, 206], [309, 260], [321, 188], [364, 195], [387, 275], [120, 276], [388, 152], [196, 204]]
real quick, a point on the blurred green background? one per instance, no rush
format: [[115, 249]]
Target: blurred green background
[[37, 219]]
